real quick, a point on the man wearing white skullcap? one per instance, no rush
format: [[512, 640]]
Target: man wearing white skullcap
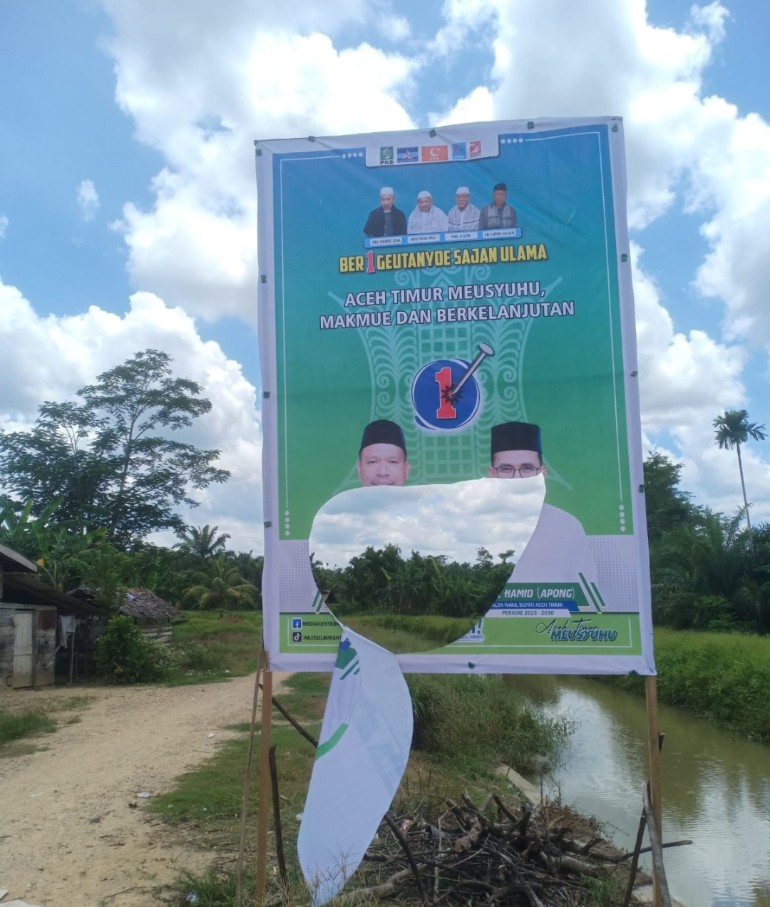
[[426, 217], [464, 215], [387, 219]]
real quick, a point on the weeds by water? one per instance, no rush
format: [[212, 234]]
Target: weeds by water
[[475, 722]]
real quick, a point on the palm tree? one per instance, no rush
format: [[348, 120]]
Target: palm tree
[[733, 429], [203, 541], [221, 586]]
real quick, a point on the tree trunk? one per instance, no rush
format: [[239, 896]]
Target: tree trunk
[[743, 488]]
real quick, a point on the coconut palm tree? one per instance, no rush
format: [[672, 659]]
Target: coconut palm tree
[[733, 429]]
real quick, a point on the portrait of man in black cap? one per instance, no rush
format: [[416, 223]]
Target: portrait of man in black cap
[[499, 214], [387, 220], [382, 456], [517, 451], [558, 550]]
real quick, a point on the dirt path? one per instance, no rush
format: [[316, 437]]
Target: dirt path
[[73, 832]]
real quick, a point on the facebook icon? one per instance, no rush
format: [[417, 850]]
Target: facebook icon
[[296, 623]]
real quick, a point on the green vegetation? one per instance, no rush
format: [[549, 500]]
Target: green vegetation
[[206, 647], [214, 645], [707, 573], [473, 723], [221, 586], [732, 429], [207, 801], [124, 655], [723, 677], [381, 580], [107, 457], [15, 726]]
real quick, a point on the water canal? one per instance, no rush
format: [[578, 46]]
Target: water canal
[[716, 788]]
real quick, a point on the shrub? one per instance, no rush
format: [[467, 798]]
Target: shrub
[[194, 656], [124, 655]]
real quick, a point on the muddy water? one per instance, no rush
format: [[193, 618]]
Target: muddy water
[[716, 788]]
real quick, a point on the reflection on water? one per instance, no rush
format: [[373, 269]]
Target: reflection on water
[[716, 788]]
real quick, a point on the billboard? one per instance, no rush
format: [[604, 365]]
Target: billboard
[[439, 311]]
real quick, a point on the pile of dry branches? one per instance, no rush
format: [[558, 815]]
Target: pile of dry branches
[[493, 854]]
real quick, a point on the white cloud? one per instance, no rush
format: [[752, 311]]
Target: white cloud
[[3, 225], [68, 352], [733, 182], [200, 94], [462, 516], [394, 28], [88, 200], [202, 103]]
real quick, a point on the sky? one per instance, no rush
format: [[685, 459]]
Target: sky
[[128, 196]]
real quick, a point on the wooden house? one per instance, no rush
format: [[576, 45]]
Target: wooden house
[[153, 614], [36, 622]]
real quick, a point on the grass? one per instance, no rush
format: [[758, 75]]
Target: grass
[[401, 633], [29, 724], [206, 804], [16, 726], [474, 723], [211, 646], [723, 677]]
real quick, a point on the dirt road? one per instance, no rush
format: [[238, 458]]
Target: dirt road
[[73, 832]]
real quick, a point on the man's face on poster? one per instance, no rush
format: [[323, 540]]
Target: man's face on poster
[[425, 203], [387, 202], [516, 464], [462, 199], [499, 196], [383, 464]]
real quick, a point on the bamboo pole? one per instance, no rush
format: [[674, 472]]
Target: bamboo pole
[[263, 816], [653, 746]]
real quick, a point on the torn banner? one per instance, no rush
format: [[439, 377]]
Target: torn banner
[[361, 757]]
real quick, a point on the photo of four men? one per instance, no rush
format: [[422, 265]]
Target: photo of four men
[[388, 220]]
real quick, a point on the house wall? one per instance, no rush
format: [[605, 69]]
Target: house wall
[[7, 639], [44, 620], [161, 632], [45, 647]]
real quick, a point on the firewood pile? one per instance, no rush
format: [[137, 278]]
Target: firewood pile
[[492, 854]]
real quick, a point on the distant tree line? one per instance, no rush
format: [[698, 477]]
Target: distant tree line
[[707, 571], [382, 579], [86, 485]]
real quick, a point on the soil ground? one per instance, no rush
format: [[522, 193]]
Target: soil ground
[[73, 830]]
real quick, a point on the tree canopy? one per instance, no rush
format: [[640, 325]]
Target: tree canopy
[[666, 504], [108, 458]]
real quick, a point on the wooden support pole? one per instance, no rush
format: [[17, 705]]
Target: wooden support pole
[[263, 816], [659, 871], [653, 747], [247, 780]]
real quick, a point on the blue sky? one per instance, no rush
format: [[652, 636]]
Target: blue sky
[[128, 200]]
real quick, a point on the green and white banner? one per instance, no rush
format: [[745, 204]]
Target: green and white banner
[[360, 760], [441, 310]]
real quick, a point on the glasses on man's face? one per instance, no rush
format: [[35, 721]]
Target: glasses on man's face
[[511, 472]]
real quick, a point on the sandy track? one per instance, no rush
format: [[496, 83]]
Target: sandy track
[[68, 836]]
